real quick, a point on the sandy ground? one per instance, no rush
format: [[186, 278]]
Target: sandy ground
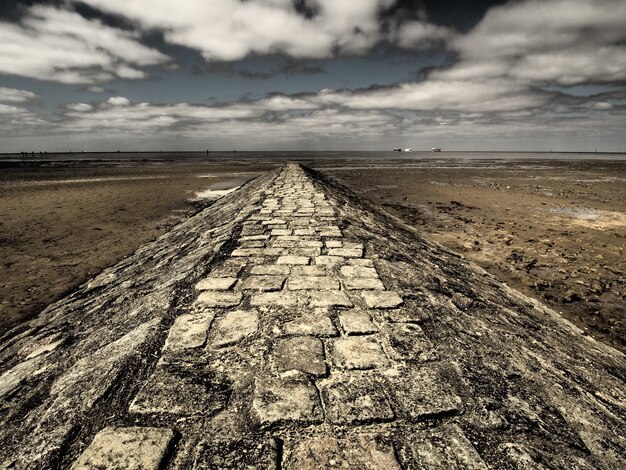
[[555, 230]]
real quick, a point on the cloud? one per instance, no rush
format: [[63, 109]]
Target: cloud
[[229, 30], [13, 95], [118, 101], [602, 106], [79, 107], [62, 46], [564, 41]]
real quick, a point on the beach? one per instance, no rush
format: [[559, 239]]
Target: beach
[[553, 228]]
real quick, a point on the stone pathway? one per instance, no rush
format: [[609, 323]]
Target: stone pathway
[[294, 321]]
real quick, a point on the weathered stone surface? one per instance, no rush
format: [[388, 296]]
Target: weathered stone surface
[[309, 271], [329, 299], [293, 260], [359, 271], [362, 283], [216, 283], [408, 341], [442, 448], [189, 331], [133, 448], [263, 283], [363, 452], [233, 327], [244, 454], [315, 324], [329, 260], [286, 400], [218, 299], [358, 353], [301, 353], [275, 299], [312, 283], [382, 299], [355, 322], [346, 252], [423, 392], [174, 391], [356, 399], [270, 270]]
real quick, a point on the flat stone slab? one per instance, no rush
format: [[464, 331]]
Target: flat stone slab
[[329, 299], [359, 271], [275, 299], [312, 283], [188, 331], [233, 327], [358, 353], [316, 324], [216, 283], [382, 299], [329, 260], [355, 322], [301, 353], [263, 283], [445, 447], [355, 399], [237, 454], [133, 448], [364, 452], [424, 392], [270, 270], [310, 270], [293, 260], [362, 283], [346, 252], [218, 299], [284, 400]]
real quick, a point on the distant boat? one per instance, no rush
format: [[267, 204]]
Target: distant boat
[[436, 149], [397, 150], [408, 149]]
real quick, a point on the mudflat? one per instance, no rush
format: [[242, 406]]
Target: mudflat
[[555, 229]]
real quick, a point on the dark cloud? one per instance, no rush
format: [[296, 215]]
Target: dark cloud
[[289, 68], [14, 10], [109, 19]]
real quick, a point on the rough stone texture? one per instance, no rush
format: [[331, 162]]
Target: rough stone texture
[[502, 382], [279, 400], [126, 449], [263, 283], [216, 283], [302, 353], [313, 283], [234, 327], [358, 353], [360, 452]]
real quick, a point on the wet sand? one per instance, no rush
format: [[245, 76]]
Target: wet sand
[[553, 229]]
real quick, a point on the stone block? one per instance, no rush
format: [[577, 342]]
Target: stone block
[[382, 299], [329, 260], [424, 392], [188, 331], [286, 400], [216, 283], [280, 232], [329, 299], [263, 283], [276, 299], [302, 353], [362, 283], [312, 283], [315, 324], [445, 447], [293, 260], [233, 327], [358, 353], [364, 452], [356, 400], [334, 244], [310, 270], [355, 322], [359, 271], [132, 448], [217, 299], [346, 252]]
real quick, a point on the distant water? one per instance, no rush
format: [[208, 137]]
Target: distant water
[[334, 155]]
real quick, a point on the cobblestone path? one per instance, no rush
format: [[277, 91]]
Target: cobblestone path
[[297, 307]]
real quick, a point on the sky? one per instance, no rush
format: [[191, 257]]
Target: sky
[[130, 75]]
